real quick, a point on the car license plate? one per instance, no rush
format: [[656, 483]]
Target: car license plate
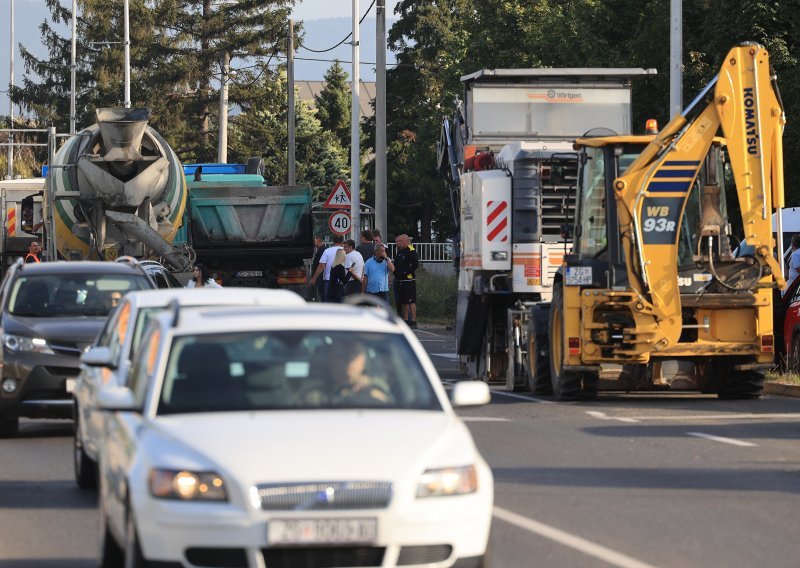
[[248, 274], [71, 384], [311, 531]]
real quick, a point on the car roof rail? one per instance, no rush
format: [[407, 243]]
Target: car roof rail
[[372, 302], [174, 306], [127, 258]]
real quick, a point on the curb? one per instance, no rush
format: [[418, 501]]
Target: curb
[[782, 389]]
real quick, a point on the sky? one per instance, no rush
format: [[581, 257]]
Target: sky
[[30, 13]]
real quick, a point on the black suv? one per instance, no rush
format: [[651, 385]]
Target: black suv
[[49, 314]]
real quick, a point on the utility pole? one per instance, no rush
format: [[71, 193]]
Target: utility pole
[[72, 110], [10, 103], [290, 114], [355, 149], [222, 148], [381, 196], [127, 40], [675, 58]]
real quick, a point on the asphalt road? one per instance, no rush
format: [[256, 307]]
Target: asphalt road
[[630, 481]]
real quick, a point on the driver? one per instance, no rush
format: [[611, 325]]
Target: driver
[[350, 381]]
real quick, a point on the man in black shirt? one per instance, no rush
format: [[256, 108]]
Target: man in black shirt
[[406, 263], [319, 248], [367, 246]]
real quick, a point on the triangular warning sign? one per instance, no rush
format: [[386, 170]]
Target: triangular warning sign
[[339, 197]]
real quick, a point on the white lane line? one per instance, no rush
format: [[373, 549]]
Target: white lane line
[[604, 416], [451, 356], [432, 340], [732, 441], [581, 544], [732, 416], [522, 397], [483, 419], [429, 332]]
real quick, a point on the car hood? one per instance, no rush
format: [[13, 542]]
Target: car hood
[[276, 446], [80, 330]]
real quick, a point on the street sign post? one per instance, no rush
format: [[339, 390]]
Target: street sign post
[[339, 222], [339, 197]]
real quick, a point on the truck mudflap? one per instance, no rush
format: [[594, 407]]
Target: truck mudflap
[[471, 323]]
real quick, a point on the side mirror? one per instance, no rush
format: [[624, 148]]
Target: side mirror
[[98, 357], [116, 399], [470, 393]]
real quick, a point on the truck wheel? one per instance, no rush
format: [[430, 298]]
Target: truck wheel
[[738, 385], [566, 384], [9, 426], [539, 366]]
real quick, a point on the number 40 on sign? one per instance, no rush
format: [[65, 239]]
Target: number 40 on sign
[[339, 222]]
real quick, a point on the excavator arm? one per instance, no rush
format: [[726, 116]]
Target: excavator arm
[[651, 195]]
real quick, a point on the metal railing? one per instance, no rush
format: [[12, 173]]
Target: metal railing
[[427, 252]]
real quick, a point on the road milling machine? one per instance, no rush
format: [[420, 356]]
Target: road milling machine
[[652, 280], [508, 159]]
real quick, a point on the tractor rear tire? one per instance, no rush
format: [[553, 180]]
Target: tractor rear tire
[[539, 381], [566, 384], [738, 385]]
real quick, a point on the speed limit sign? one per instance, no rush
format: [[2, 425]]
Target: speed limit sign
[[339, 222]]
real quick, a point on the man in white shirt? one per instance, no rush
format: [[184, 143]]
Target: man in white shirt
[[326, 263], [354, 264]]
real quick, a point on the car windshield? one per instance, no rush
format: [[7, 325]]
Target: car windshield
[[63, 295], [296, 369]]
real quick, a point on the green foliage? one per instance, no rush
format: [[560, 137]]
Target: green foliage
[[261, 130], [436, 298], [333, 104]]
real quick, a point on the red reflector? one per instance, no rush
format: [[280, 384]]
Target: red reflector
[[767, 343], [574, 345]]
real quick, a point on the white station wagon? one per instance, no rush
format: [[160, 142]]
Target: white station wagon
[[108, 361], [317, 435]]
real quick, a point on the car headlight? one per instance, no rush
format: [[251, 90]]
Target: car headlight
[[448, 481], [187, 485], [20, 343]]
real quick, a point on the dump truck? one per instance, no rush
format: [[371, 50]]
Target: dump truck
[[652, 279], [508, 160]]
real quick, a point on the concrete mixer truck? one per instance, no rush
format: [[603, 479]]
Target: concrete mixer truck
[[117, 188]]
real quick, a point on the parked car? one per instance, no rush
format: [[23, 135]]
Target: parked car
[[51, 313], [108, 361], [318, 435], [162, 277]]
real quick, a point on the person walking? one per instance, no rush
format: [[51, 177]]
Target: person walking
[[34, 253], [376, 274], [338, 278], [319, 248], [201, 277], [354, 265], [325, 264], [367, 246], [406, 264]]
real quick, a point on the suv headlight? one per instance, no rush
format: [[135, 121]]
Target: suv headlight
[[18, 343], [448, 481], [187, 485]]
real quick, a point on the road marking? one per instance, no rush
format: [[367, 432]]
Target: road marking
[[581, 544], [604, 416], [451, 356], [483, 419], [433, 340], [732, 416], [429, 332], [731, 441]]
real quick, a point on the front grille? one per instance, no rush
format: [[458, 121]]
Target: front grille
[[327, 557], [427, 554], [334, 496], [217, 557]]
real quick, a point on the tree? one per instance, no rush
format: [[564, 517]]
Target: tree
[[333, 104], [261, 130]]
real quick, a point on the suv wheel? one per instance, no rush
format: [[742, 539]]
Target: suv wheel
[[85, 468], [9, 426]]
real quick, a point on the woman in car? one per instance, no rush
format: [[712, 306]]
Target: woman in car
[[201, 278]]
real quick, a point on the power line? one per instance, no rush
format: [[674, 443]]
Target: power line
[[348, 36]]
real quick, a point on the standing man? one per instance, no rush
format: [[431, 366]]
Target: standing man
[[325, 265], [354, 264], [406, 264], [376, 274], [319, 248], [376, 236], [367, 246], [34, 253]]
